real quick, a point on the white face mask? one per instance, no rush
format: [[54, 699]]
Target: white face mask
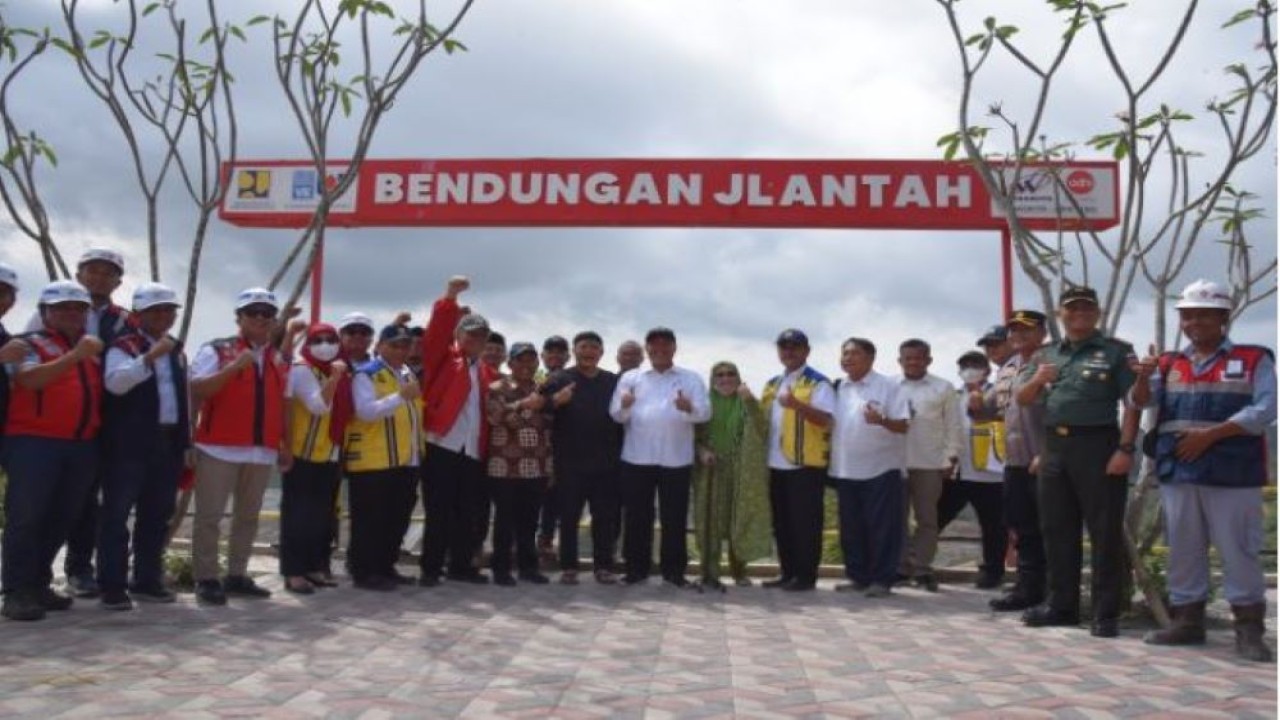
[[324, 352], [972, 375]]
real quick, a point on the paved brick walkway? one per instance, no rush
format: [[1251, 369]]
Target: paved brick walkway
[[594, 651]]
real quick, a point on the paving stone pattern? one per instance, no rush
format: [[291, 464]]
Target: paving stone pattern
[[593, 651]]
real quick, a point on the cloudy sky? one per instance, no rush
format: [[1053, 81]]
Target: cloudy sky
[[651, 78]]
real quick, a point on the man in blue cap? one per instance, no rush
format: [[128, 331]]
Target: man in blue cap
[[799, 404]]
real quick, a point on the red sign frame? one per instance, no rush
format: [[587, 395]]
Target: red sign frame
[[629, 192]]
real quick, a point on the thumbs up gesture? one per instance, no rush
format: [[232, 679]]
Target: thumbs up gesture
[[1146, 367], [682, 402]]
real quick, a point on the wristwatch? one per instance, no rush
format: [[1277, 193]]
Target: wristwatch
[[1127, 448]]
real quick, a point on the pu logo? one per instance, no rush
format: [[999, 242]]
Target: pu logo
[[253, 184], [1030, 182], [1080, 182]]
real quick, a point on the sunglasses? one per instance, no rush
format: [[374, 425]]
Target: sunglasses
[[357, 330], [267, 313], [323, 340], [727, 374]]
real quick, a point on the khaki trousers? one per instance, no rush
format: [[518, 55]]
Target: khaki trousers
[[216, 481], [922, 490]]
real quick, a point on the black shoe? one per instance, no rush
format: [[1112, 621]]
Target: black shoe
[[51, 600], [1105, 628], [428, 581], [321, 580], [22, 606], [533, 577], [209, 592], [504, 580], [299, 586], [156, 594], [777, 582], [1045, 616], [1013, 601], [798, 585], [630, 579], [244, 586], [928, 582], [83, 585], [852, 587], [901, 579], [475, 577], [676, 581], [376, 583], [115, 600], [402, 579], [987, 581]]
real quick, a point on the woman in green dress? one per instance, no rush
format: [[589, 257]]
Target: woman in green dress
[[731, 480]]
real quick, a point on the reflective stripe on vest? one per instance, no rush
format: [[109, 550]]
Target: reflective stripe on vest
[[389, 442], [802, 442], [1194, 400], [309, 432]]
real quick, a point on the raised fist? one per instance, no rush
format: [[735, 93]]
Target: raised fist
[[458, 284]]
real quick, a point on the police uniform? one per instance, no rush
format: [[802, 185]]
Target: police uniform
[[1081, 436]]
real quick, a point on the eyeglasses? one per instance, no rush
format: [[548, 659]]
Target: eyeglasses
[[357, 330], [323, 340], [253, 312]]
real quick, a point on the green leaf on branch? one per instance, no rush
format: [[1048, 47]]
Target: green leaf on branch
[[257, 20], [1240, 17], [150, 9], [451, 45]]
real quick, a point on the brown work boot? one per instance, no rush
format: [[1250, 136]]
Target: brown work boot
[[1187, 627], [1250, 627]]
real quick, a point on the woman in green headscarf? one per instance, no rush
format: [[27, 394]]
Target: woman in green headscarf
[[731, 480]]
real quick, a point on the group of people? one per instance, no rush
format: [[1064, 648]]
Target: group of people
[[104, 412]]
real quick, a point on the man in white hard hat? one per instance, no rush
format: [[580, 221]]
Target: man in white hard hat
[[355, 332], [1214, 400], [238, 383], [145, 436], [99, 271], [50, 450]]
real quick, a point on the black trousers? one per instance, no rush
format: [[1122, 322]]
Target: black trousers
[[1022, 516], [306, 517], [796, 500], [380, 502], [549, 517], [82, 540], [453, 486], [146, 486], [576, 490], [1076, 492], [639, 485], [517, 502], [987, 499]]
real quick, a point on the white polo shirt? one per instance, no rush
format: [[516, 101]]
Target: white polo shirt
[[860, 450]]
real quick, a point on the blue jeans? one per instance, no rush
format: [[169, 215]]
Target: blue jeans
[[49, 484], [146, 485], [871, 527]]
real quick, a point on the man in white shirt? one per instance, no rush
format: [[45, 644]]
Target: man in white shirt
[[933, 452], [868, 451], [798, 404], [658, 409], [145, 435], [238, 382]]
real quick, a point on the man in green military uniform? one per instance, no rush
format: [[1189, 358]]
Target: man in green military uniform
[[1085, 462]]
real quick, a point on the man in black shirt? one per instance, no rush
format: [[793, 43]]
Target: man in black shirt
[[587, 446]]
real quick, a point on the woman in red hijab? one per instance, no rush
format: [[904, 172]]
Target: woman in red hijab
[[313, 427]]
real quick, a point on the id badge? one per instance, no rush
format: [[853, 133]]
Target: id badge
[[1234, 369]]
